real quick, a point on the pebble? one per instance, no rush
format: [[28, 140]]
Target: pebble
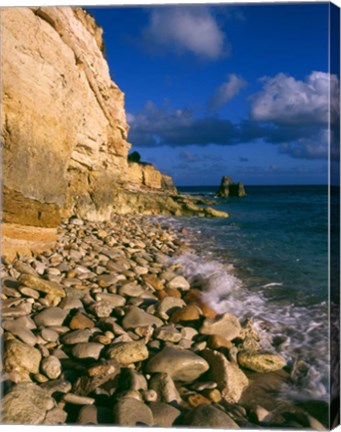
[[126, 353], [136, 317], [76, 336], [87, 350], [81, 321], [51, 367], [53, 316], [78, 400], [226, 325]]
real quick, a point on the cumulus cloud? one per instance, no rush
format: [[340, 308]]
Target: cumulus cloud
[[289, 113], [185, 29], [226, 91], [285, 100]]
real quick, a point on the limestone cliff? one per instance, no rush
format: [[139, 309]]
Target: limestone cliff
[[64, 129]]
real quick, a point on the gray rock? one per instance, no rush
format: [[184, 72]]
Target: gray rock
[[51, 367], [131, 290], [135, 380], [132, 412], [87, 350], [114, 300], [69, 303], [181, 365], [136, 317], [76, 336], [164, 414], [168, 305], [26, 403], [101, 309], [49, 317], [226, 325], [208, 416], [22, 333], [168, 333], [126, 353], [49, 335], [165, 388]]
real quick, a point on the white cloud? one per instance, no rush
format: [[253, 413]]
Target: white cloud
[[184, 29], [285, 100], [227, 91]]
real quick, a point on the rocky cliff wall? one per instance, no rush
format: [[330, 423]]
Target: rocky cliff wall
[[63, 119]]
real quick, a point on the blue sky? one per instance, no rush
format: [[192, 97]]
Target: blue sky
[[225, 90]]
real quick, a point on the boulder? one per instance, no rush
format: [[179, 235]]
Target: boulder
[[208, 416], [182, 365], [20, 358], [229, 188], [25, 403], [230, 379]]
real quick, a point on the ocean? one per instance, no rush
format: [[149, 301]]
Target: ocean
[[269, 262]]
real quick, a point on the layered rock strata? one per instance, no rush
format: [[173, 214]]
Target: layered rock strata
[[64, 128]]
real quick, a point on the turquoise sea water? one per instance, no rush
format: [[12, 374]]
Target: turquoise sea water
[[269, 261]]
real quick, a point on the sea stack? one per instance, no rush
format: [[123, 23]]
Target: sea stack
[[229, 188]]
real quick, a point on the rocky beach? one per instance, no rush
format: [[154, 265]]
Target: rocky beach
[[105, 329]]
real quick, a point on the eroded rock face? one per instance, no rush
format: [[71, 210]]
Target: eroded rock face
[[63, 133]]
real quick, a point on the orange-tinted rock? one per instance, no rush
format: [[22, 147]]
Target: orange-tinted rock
[[216, 342], [187, 313], [197, 399], [192, 296], [80, 321], [173, 292]]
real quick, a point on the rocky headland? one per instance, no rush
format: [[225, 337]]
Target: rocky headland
[[64, 132], [228, 188]]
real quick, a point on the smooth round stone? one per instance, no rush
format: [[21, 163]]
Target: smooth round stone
[[179, 282], [49, 317], [181, 365], [167, 306], [101, 309], [164, 414], [87, 415], [114, 299], [24, 334], [226, 325], [128, 352], [78, 400], [153, 282], [53, 271], [187, 313], [81, 321], [105, 280], [87, 350], [76, 336], [139, 270], [49, 335], [165, 388], [131, 290], [136, 317], [51, 367], [29, 292], [168, 333], [69, 303]]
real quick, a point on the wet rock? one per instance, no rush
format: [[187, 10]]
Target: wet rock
[[49, 317], [164, 414], [208, 416], [51, 367], [21, 358], [126, 353], [260, 361], [132, 412], [226, 325], [41, 285], [230, 379], [168, 306], [187, 313], [136, 317], [25, 403], [87, 350], [179, 282], [181, 365]]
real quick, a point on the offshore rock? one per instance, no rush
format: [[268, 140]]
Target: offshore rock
[[229, 188]]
